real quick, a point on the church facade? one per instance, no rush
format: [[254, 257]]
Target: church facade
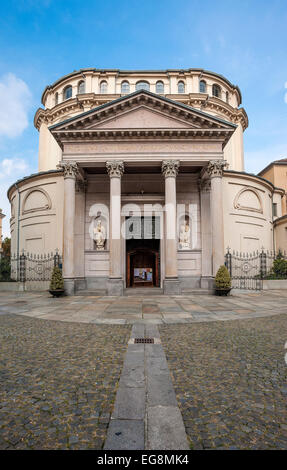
[[141, 181]]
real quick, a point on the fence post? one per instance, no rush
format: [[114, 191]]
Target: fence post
[[263, 269], [228, 261], [22, 267]]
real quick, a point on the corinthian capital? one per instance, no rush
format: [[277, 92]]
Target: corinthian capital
[[170, 168], [115, 168], [215, 168], [70, 169]]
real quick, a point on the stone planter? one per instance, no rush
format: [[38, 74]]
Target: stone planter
[[222, 291], [57, 292]]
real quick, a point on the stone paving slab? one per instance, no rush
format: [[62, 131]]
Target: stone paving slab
[[153, 310], [162, 421], [126, 435], [146, 397], [130, 402]]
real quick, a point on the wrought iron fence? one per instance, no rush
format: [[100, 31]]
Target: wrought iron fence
[[35, 270], [247, 270]]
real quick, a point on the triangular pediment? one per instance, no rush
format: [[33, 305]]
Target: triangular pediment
[[141, 117], [143, 113]]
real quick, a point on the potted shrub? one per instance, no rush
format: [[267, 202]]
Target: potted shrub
[[57, 283], [222, 281]]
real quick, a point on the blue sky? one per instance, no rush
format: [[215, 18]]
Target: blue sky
[[41, 40]]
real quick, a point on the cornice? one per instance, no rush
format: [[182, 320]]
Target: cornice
[[142, 134], [33, 177], [92, 100]]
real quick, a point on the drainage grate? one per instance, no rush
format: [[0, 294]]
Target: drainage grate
[[144, 340]]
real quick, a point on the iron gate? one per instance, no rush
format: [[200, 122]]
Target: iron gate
[[247, 270], [34, 270]]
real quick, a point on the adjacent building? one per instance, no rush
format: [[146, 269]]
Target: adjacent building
[[276, 172]]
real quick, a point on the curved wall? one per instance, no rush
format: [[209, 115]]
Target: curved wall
[[40, 215], [247, 208]]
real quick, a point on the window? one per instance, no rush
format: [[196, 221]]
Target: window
[[68, 92], [159, 87], [125, 87], [274, 209], [216, 91], [181, 87], [202, 86], [103, 87], [227, 97], [81, 87], [142, 86], [56, 98]]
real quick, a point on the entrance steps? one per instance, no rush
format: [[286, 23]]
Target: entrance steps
[[143, 291]]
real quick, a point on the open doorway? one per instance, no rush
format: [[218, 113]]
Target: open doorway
[[143, 263]]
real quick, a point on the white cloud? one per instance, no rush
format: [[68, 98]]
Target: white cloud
[[11, 169], [12, 166], [15, 101]]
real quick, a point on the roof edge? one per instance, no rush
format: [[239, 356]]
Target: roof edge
[[119, 72], [244, 173], [33, 175]]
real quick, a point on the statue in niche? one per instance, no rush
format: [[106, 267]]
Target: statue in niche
[[99, 235], [184, 236]]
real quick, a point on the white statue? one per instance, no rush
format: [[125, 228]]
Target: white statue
[[99, 235], [184, 236]]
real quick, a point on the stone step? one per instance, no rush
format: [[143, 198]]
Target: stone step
[[197, 291], [89, 292], [143, 291]]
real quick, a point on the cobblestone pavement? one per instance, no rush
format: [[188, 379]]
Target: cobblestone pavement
[[154, 309], [230, 382], [58, 382]]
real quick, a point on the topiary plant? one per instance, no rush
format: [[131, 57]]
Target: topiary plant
[[57, 281], [280, 266], [222, 279]]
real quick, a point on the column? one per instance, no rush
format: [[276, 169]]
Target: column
[[70, 172], [215, 171], [115, 284], [206, 237], [170, 170]]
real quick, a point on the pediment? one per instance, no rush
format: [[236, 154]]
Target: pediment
[[141, 117], [143, 113]]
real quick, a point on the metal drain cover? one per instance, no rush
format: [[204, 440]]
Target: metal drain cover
[[144, 340]]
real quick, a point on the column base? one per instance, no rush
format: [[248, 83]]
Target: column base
[[207, 282], [171, 286], [115, 286], [69, 286]]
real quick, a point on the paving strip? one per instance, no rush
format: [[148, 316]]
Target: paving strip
[[146, 414]]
